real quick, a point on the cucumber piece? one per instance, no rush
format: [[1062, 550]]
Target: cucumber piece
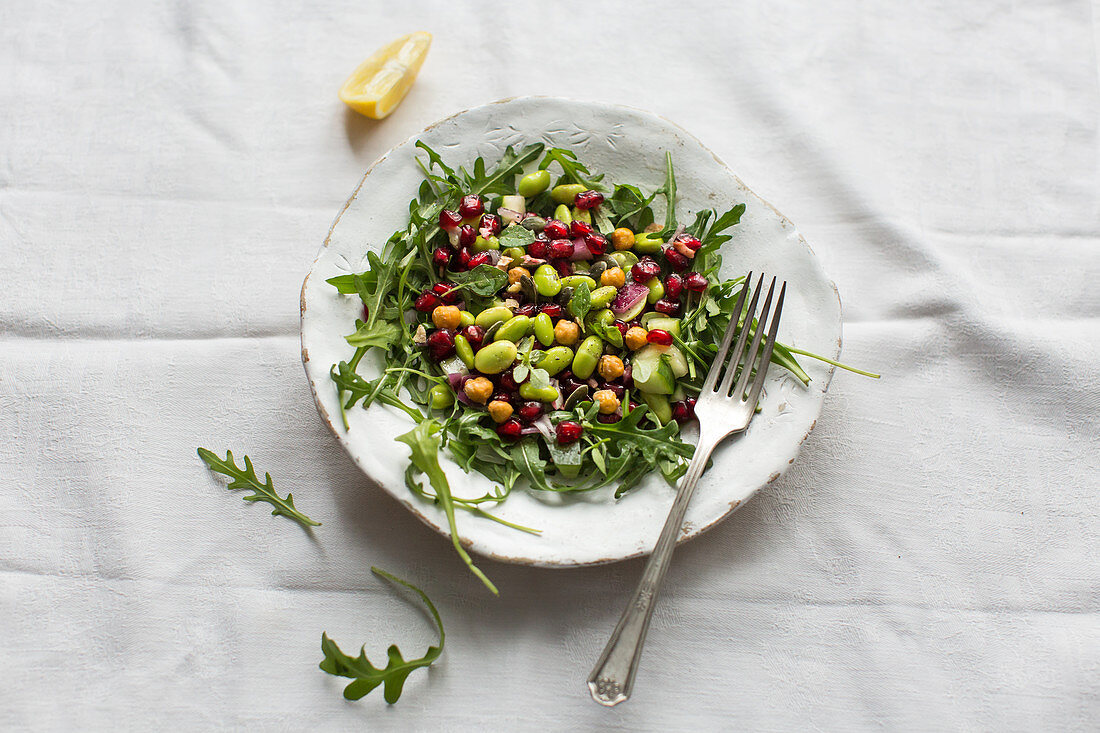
[[652, 372], [658, 404], [648, 356], [653, 319], [631, 314]]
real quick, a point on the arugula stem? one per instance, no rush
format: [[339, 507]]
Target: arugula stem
[[827, 360]]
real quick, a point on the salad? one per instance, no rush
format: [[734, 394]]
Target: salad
[[546, 326]]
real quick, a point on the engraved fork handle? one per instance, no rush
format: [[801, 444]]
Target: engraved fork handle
[[612, 679]]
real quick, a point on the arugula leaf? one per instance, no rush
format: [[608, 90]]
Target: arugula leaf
[[500, 179], [365, 675], [514, 235], [669, 192], [573, 171], [423, 442], [483, 280], [382, 335], [581, 301], [247, 479]]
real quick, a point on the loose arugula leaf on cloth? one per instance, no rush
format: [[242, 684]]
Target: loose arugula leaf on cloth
[[246, 479], [423, 442], [365, 675]]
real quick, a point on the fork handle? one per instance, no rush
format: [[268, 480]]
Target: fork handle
[[612, 679]]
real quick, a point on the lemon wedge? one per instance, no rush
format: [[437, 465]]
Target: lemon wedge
[[379, 84]]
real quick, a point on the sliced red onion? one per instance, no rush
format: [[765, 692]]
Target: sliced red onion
[[453, 237], [543, 425], [678, 232], [494, 256], [508, 216], [580, 250], [529, 430], [628, 297]]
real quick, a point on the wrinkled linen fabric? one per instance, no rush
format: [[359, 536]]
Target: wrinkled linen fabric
[[930, 562]]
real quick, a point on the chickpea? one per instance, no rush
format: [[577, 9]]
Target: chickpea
[[636, 337], [566, 332], [516, 273], [622, 238], [607, 401], [499, 410], [446, 316], [478, 390], [611, 367], [615, 277]]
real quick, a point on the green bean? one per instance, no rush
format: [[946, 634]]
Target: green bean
[[514, 329], [602, 296], [587, 356], [546, 394], [544, 329], [566, 193], [547, 281], [495, 357], [656, 290], [533, 184], [464, 350], [496, 314], [441, 397], [555, 359]]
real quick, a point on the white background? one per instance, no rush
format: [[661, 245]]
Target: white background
[[930, 562]]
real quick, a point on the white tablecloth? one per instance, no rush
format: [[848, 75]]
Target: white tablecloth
[[167, 173]]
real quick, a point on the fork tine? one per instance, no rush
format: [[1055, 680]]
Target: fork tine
[[754, 350], [766, 356], [720, 357], [727, 380]]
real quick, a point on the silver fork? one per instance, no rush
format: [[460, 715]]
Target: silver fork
[[721, 412]]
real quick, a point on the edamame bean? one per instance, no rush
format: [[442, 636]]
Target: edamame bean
[[624, 259], [582, 215], [567, 192], [466, 318], [605, 317], [495, 357], [562, 214], [533, 184], [555, 359], [602, 296], [656, 290], [647, 243], [546, 394], [544, 329], [547, 281], [440, 397], [482, 244], [464, 350], [514, 252], [587, 356], [489, 316], [514, 329], [572, 281]]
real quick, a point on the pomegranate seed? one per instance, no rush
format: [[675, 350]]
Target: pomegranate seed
[[645, 270], [568, 432], [695, 282], [510, 429], [503, 397], [529, 411], [628, 376], [366, 313], [633, 405], [460, 260], [481, 258], [667, 306], [684, 410], [467, 235], [441, 344], [449, 220], [588, 199], [490, 223], [441, 256], [527, 309], [560, 249], [427, 302], [470, 206], [623, 326], [538, 250], [555, 229], [618, 389], [676, 261], [553, 310], [568, 386], [612, 418], [674, 285], [565, 374], [474, 334], [564, 267], [691, 242], [441, 288], [507, 382], [578, 228], [596, 243], [659, 336], [447, 293]]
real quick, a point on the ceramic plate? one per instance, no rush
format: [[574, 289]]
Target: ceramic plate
[[629, 145]]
